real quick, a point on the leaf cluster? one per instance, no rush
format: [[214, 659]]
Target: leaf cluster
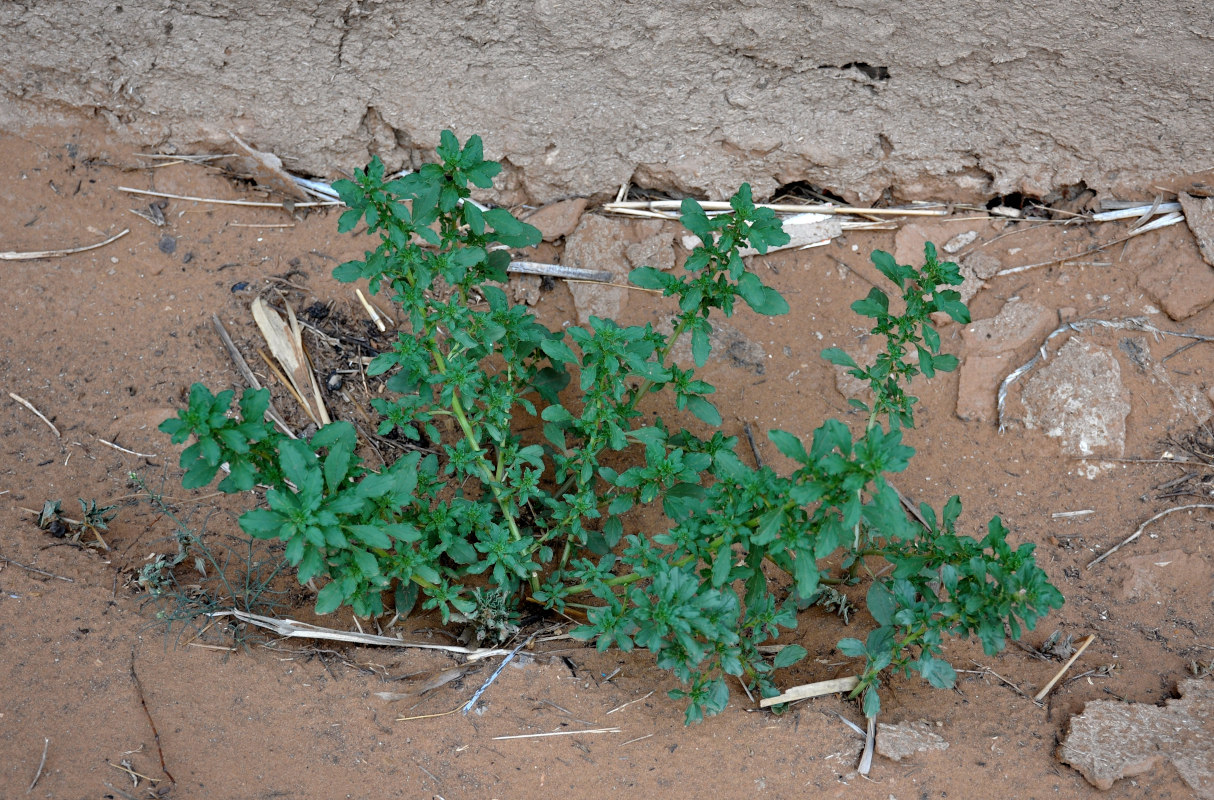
[[489, 511]]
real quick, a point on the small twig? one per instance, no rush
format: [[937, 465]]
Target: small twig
[[36, 254], [46, 746], [1162, 222], [754, 448], [988, 671], [557, 733], [7, 560], [639, 738], [630, 702], [1068, 514], [124, 450], [1141, 528], [40, 415], [155, 733], [250, 203], [851, 724], [1091, 637], [472, 702]]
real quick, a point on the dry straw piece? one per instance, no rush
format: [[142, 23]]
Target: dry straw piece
[[35, 254]]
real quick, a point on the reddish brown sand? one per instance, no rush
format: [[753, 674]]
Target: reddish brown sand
[[105, 342]]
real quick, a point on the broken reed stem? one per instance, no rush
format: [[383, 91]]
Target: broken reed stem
[[1141, 528], [559, 733], [808, 690], [1091, 637], [124, 450], [40, 415], [36, 254], [477, 696], [250, 203], [782, 208], [45, 746], [371, 312]]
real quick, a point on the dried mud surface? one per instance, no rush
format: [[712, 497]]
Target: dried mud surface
[[105, 342], [907, 97]]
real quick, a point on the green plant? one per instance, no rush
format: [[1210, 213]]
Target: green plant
[[221, 577], [554, 519]]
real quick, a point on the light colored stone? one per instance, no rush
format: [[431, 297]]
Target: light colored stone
[[992, 348], [557, 220], [959, 241], [1177, 278], [907, 738], [603, 243], [1199, 216], [1079, 398], [1112, 739]]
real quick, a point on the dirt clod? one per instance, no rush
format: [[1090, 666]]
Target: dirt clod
[[1111, 740]]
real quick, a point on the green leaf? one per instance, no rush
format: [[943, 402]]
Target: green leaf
[[650, 278], [838, 357], [853, 648], [701, 345], [262, 523], [763, 299], [695, 220], [703, 409], [371, 536], [937, 672], [790, 445], [788, 656], [872, 702], [330, 597], [875, 305], [881, 604], [509, 231]]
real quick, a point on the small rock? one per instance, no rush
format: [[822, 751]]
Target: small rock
[[654, 251], [525, 289], [905, 739], [992, 348], [1199, 216], [1079, 397], [600, 243], [1112, 740], [167, 245], [557, 220], [910, 239], [1177, 278], [960, 240]]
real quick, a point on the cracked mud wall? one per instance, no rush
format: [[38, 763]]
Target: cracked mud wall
[[917, 99]]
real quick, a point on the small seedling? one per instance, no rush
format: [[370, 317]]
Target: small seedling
[[95, 520], [555, 518]]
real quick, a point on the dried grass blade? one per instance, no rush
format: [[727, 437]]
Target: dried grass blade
[[36, 254]]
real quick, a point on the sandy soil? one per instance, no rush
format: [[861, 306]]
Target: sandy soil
[[105, 342]]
